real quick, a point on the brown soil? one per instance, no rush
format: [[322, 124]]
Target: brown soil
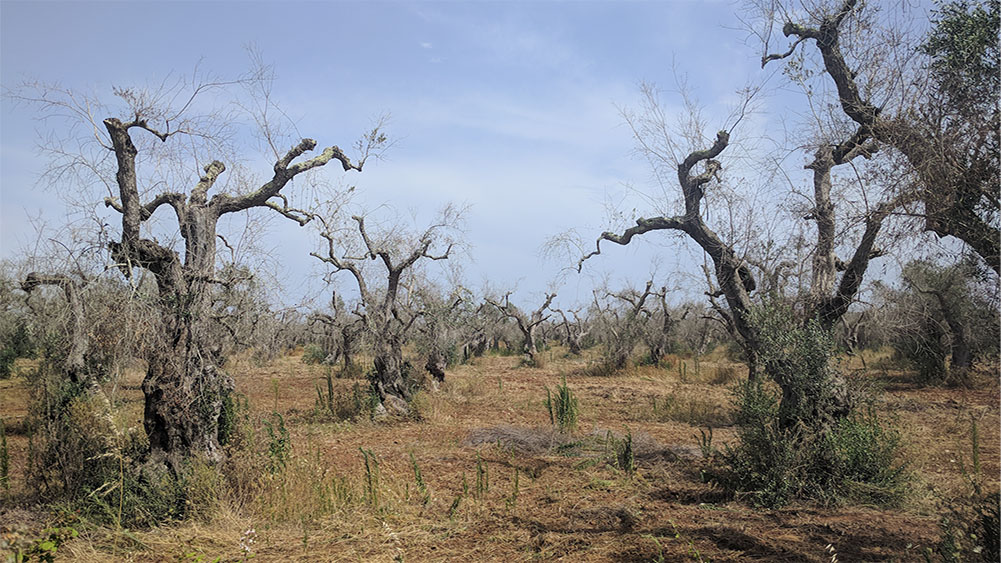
[[571, 503]]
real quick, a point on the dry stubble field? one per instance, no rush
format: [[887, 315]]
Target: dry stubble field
[[487, 425]]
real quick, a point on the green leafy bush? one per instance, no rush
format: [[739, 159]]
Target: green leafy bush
[[770, 465], [313, 354], [810, 433]]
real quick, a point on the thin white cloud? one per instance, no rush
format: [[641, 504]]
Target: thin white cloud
[[426, 45]]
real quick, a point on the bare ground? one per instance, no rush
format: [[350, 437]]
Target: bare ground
[[570, 503]]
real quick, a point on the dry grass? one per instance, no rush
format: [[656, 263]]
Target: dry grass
[[571, 501]]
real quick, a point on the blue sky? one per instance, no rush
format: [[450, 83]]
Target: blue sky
[[509, 107]]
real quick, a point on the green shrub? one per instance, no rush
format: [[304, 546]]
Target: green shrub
[[75, 442], [279, 442], [772, 464], [822, 441], [16, 345], [44, 548], [313, 354], [7, 357], [233, 406]]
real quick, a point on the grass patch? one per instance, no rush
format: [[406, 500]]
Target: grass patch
[[690, 409]]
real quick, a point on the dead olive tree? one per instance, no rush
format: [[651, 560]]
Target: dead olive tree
[[622, 322], [385, 318], [184, 387], [75, 365], [659, 333], [149, 140], [527, 324], [344, 329], [941, 113], [74, 435], [731, 276], [574, 332], [440, 327], [732, 273], [480, 328]]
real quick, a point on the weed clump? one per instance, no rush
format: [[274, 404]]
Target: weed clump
[[971, 526], [562, 407], [600, 368], [360, 402]]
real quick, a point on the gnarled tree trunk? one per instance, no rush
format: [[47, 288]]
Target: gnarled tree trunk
[[184, 387]]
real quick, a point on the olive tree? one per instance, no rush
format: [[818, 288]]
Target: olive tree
[[701, 171], [384, 289], [943, 312], [343, 330], [621, 321], [440, 329], [939, 113], [75, 364], [574, 332], [528, 324], [158, 149]]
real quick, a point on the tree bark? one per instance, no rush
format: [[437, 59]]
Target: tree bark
[[959, 341]]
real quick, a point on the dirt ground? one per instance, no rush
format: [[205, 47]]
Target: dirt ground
[[497, 483]]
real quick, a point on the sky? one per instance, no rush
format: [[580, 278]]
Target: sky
[[510, 108]]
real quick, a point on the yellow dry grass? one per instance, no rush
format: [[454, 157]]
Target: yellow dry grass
[[570, 503]]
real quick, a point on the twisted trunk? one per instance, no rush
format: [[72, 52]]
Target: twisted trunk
[[184, 387]]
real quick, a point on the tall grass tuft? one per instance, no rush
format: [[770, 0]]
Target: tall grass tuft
[[690, 409], [422, 487], [358, 403], [624, 455], [482, 478], [4, 459], [512, 500], [563, 407], [279, 442], [371, 478], [971, 526]]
